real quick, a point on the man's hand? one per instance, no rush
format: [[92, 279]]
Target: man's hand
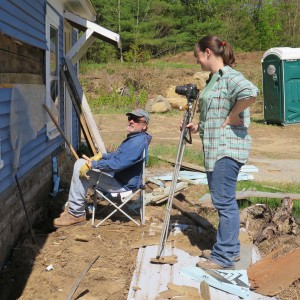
[[85, 168]]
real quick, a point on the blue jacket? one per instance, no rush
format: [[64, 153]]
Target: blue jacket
[[127, 162]]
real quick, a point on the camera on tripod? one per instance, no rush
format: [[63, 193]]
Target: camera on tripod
[[190, 91]]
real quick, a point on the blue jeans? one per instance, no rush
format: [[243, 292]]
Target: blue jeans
[[222, 184], [80, 185]]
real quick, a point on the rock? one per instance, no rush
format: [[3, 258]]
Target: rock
[[160, 107], [158, 104], [170, 93], [177, 102], [200, 78]]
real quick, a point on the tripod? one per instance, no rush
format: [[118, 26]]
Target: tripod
[[185, 137]]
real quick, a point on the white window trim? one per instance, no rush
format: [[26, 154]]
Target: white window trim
[[52, 19]]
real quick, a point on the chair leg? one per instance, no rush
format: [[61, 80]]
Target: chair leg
[[117, 208], [142, 206], [94, 207]]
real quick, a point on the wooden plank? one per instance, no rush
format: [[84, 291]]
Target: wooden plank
[[61, 132], [79, 45], [186, 166], [150, 198], [255, 194], [88, 116], [191, 214], [13, 63], [10, 78], [204, 288], [78, 110], [99, 31], [9, 45], [274, 273], [83, 49], [92, 125]]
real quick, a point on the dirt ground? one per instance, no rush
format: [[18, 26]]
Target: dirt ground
[[275, 151]]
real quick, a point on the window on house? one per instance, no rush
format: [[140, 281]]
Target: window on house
[[54, 74], [52, 70]]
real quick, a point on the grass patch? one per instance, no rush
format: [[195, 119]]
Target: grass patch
[[114, 102], [174, 65], [170, 152]]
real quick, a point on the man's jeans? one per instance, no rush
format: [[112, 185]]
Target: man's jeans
[[80, 185], [222, 185]]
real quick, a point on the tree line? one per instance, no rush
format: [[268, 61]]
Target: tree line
[[154, 28]]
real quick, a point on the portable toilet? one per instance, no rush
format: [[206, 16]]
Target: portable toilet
[[281, 85]]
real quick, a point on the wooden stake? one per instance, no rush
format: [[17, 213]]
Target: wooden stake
[[80, 277], [61, 132]]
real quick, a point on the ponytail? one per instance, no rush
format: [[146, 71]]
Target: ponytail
[[219, 48]]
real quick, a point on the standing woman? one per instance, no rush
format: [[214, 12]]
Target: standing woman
[[223, 129]]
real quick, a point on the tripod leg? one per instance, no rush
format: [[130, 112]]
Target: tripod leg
[[180, 151]]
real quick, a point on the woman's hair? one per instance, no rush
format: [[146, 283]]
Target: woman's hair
[[218, 47]]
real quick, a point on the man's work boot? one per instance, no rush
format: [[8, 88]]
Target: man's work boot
[[67, 220], [66, 209], [209, 264], [206, 254]]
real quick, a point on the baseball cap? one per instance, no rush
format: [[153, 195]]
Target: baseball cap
[[140, 113]]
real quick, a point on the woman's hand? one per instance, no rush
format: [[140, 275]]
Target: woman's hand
[[234, 120], [192, 127]]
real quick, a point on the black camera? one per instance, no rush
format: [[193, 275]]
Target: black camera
[[190, 91]]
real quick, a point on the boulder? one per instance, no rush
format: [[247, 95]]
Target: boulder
[[170, 92], [177, 102], [200, 79], [158, 104]]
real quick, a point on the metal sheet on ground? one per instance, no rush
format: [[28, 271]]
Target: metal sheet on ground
[[151, 279]]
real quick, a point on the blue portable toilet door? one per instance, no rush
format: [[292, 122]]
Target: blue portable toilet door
[[292, 91], [272, 76]]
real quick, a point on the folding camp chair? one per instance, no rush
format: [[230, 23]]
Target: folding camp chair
[[120, 199]]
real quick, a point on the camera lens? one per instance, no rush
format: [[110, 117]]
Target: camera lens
[[181, 89]]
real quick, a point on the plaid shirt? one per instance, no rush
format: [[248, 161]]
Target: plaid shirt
[[230, 141]]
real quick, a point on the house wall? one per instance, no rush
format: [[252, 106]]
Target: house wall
[[16, 72], [22, 55], [24, 20], [34, 186]]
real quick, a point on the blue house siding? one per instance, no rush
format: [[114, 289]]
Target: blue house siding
[[31, 154], [36, 150], [24, 20], [6, 152]]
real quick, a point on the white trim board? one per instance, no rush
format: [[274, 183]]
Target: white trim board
[[98, 30]]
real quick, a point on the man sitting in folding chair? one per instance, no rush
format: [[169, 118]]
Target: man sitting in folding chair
[[120, 171]]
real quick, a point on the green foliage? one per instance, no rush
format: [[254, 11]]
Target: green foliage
[[116, 102], [153, 28]]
